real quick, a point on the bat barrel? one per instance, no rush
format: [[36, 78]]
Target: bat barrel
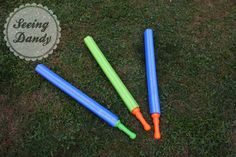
[[77, 95]]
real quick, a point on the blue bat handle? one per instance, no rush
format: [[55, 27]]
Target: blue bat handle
[[76, 94], [153, 96]]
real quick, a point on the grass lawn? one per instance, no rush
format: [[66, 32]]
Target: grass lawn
[[196, 64]]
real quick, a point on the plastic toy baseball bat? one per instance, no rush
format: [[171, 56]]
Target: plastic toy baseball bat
[[83, 99], [131, 104], [152, 82]]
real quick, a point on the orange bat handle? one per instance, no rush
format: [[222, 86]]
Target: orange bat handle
[[139, 116], [156, 122]]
